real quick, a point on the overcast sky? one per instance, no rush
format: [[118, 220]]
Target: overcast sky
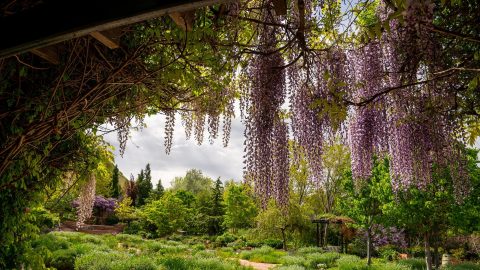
[[147, 146]]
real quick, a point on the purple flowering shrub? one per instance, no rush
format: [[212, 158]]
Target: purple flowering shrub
[[383, 236], [105, 204], [103, 209]]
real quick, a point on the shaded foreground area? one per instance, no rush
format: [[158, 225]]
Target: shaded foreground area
[[79, 251]]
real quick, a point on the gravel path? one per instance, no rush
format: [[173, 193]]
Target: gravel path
[[257, 266]]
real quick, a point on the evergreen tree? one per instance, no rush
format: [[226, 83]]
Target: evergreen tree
[[218, 208], [160, 189], [157, 193], [144, 185], [115, 190]]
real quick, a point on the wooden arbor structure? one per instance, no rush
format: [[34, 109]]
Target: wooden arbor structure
[[37, 26], [322, 225]]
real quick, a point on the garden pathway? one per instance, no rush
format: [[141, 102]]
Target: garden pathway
[[256, 265]]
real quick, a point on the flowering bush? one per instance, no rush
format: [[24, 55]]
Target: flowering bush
[[102, 207], [382, 236], [105, 204]]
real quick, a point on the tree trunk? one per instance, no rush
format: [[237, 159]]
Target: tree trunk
[[436, 256], [369, 245], [284, 238], [428, 254]]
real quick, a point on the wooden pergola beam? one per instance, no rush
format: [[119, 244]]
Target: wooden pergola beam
[[184, 20], [109, 38], [47, 53], [54, 21]]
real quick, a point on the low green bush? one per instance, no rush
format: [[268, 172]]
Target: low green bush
[[463, 266], [237, 244], [289, 267], [358, 247], [63, 259], [45, 219], [265, 254], [134, 227], [51, 242], [254, 243], [198, 247], [182, 263], [307, 250], [293, 260], [274, 243], [327, 258], [417, 251], [226, 238], [97, 261], [205, 254], [114, 261], [129, 239], [388, 253], [226, 252], [413, 264]]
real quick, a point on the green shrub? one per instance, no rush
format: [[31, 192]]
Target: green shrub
[[111, 220], [175, 263], [134, 227], [463, 266], [45, 219], [293, 260], [225, 238], [358, 247], [388, 266], [274, 243], [51, 242], [135, 263], [114, 261], [215, 264], [226, 252], [413, 264], [458, 253], [327, 258], [129, 239], [265, 254], [307, 250], [198, 247], [290, 267], [388, 253], [417, 251], [351, 262], [205, 254], [237, 244], [63, 259]]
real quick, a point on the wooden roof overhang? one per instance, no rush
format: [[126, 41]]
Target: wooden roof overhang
[[54, 21]]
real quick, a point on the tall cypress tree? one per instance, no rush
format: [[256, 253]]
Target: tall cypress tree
[[144, 185], [114, 188], [217, 210], [160, 189]]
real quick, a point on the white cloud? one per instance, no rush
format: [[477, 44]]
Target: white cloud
[[147, 146]]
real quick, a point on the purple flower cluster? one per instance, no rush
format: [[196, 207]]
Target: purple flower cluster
[[382, 236], [105, 204], [100, 203], [266, 133]]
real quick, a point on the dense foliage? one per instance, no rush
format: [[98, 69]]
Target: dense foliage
[[394, 79]]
